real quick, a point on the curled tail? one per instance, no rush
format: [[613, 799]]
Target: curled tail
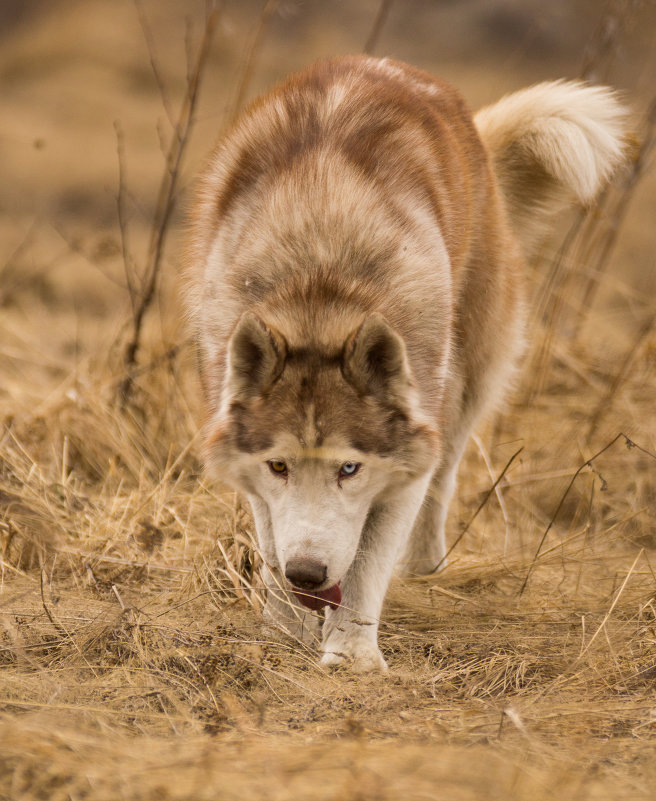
[[552, 143]]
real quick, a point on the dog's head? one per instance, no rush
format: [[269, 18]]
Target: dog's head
[[317, 440]]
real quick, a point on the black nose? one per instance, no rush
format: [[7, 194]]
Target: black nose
[[306, 574]]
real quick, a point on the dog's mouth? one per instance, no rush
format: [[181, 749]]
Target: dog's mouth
[[331, 597]]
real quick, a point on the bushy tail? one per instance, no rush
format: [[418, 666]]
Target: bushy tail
[[550, 144]]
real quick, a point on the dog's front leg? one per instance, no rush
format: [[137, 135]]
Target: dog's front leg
[[284, 611], [350, 632], [281, 607]]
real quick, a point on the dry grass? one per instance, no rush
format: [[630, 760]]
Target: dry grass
[[134, 662]]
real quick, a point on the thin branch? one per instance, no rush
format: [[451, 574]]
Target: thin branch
[[550, 302], [55, 623], [154, 65], [585, 649], [588, 463], [379, 22], [486, 498], [499, 494], [560, 266], [128, 261], [604, 44], [604, 404], [75, 247], [249, 61], [166, 200], [22, 246], [638, 168], [7, 283]]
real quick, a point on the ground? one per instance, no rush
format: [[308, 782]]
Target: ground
[[134, 659]]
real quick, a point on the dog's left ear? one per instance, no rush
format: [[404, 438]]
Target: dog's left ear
[[256, 357], [375, 361]]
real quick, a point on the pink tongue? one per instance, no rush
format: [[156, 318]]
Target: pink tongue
[[331, 597]]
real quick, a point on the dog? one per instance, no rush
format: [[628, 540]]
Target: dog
[[354, 280]]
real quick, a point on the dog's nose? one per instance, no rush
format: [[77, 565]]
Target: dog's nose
[[306, 574]]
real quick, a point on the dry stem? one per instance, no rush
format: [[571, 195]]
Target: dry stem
[[379, 22], [166, 200], [248, 65]]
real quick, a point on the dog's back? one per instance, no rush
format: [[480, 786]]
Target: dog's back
[[359, 185]]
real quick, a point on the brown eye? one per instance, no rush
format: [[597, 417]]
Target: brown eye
[[349, 469], [278, 467]]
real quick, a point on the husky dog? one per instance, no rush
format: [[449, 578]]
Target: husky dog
[[354, 271]]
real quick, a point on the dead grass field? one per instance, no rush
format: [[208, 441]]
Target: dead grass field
[[134, 663]]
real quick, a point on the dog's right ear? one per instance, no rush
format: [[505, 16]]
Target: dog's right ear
[[256, 358], [375, 361]]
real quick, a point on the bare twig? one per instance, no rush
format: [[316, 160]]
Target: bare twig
[[154, 63], [249, 61], [166, 200], [585, 649], [603, 45], [637, 170], [381, 18], [486, 498], [118, 597], [128, 261], [499, 494], [168, 355], [12, 279], [559, 269], [587, 241], [590, 241], [550, 303], [588, 463], [46, 609], [605, 403], [5, 269]]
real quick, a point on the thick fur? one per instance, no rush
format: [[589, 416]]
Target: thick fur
[[552, 143], [355, 289]]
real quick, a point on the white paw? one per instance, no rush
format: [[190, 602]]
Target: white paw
[[360, 656], [421, 567]]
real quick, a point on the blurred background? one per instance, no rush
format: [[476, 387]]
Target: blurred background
[[135, 663], [77, 79]]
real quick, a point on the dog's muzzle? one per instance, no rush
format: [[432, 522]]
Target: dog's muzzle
[[306, 575]]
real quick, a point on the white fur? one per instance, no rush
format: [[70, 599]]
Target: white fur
[[308, 515], [575, 131], [350, 633]]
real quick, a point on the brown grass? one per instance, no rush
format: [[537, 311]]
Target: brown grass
[[134, 661]]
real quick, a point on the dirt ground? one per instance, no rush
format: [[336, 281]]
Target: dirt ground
[[134, 661]]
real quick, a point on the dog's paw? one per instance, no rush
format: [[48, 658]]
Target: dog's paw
[[422, 567], [358, 657]]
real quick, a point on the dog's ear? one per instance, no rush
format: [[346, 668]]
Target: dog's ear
[[256, 357], [375, 361]]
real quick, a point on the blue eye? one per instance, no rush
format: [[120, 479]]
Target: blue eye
[[349, 469]]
